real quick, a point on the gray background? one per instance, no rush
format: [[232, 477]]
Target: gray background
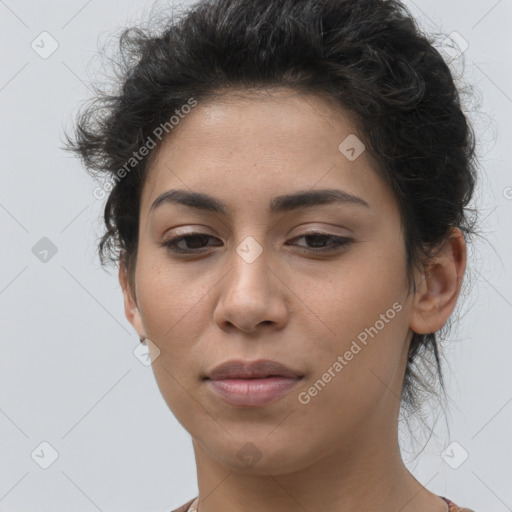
[[69, 376]]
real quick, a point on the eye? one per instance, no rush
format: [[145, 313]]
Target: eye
[[196, 239], [315, 237], [196, 242]]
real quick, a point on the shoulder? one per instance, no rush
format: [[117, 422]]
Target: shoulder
[[456, 508], [184, 507], [452, 507]]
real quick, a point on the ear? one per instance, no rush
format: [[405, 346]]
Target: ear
[[131, 309], [437, 294]]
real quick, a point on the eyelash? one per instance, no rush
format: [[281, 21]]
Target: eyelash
[[171, 244]]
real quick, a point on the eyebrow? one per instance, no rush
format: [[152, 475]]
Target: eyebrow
[[280, 204]]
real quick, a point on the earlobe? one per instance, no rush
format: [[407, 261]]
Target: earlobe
[[438, 291], [131, 308]]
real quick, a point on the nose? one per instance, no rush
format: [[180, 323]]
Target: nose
[[252, 295]]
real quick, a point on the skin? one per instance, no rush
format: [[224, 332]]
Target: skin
[[340, 451]]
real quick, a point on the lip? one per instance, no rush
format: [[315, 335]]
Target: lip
[[239, 369], [252, 384], [253, 392]]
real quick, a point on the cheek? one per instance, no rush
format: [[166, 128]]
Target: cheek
[[171, 301], [364, 320], [355, 294], [173, 314], [354, 371], [367, 332]]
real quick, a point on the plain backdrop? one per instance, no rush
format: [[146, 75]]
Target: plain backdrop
[[73, 394]]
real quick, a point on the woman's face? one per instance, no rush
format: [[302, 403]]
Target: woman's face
[[257, 285]]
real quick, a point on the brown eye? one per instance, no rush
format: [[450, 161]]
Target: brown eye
[[195, 241], [318, 241]]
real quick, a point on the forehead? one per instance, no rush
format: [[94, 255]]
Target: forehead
[[252, 148], [246, 119]]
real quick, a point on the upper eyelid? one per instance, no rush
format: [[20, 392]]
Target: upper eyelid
[[310, 227], [304, 233]]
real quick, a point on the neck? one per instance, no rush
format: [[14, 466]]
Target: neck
[[368, 475]]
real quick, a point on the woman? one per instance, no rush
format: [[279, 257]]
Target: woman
[[288, 192]]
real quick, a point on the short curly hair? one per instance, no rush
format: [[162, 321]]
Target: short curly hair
[[367, 55]]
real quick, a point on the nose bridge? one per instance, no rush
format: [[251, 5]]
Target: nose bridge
[[250, 295], [250, 270]]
